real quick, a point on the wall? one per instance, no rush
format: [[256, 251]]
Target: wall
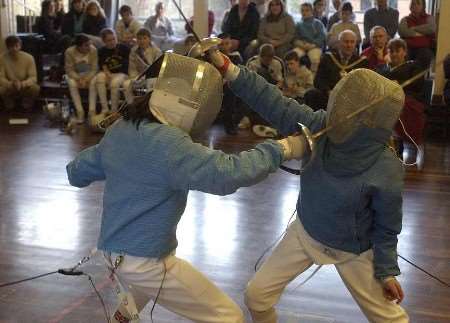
[[443, 46]]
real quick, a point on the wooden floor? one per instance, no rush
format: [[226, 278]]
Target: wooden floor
[[45, 224]]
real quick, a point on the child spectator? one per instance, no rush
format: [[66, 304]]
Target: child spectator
[[113, 64], [94, 22], [18, 76], [142, 55], [310, 37], [81, 66], [298, 78], [266, 66], [413, 113], [127, 27], [345, 23]]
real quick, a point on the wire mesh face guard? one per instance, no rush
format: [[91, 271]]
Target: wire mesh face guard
[[187, 93], [359, 88]]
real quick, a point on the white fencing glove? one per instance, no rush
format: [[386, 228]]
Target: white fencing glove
[[294, 147], [221, 61]]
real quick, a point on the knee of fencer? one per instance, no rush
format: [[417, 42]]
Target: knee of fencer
[[254, 298]]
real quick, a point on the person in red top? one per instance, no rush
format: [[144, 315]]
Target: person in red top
[[377, 53], [418, 29]]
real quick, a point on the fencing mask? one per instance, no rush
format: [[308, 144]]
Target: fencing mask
[[187, 93], [362, 98]]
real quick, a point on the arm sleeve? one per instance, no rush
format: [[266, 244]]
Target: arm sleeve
[[132, 69], [93, 57], [387, 223], [169, 27], [321, 80], [85, 168], [69, 66], [268, 101], [252, 32], [195, 167], [404, 31], [31, 73], [290, 31], [321, 35], [3, 80], [427, 29], [262, 32]]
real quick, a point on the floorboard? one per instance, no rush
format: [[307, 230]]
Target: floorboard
[[46, 224]]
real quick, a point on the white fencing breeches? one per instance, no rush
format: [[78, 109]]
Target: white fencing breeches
[[75, 94], [114, 84], [289, 259], [185, 290]]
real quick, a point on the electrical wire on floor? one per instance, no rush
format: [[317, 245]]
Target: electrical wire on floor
[[426, 272], [159, 291], [67, 272]]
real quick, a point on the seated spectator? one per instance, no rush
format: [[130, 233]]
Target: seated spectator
[[413, 113], [298, 78], [377, 53], [142, 55], [319, 9], [345, 23], [72, 23], [271, 69], [266, 66], [113, 66], [161, 28], [210, 24], [382, 15], [50, 26], [231, 104], [94, 22], [277, 28], [242, 25], [127, 27], [418, 29], [81, 67], [18, 76], [333, 66], [310, 37]]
